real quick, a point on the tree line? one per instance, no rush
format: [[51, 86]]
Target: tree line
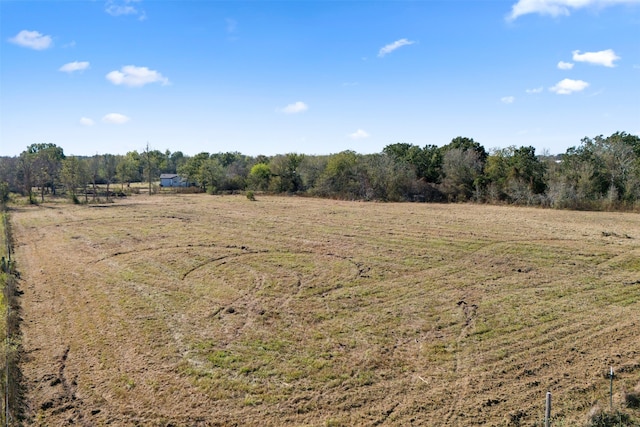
[[599, 173]]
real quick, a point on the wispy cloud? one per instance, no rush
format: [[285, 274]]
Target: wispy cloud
[[115, 119], [565, 65], [603, 57], [393, 46], [85, 121], [32, 40], [535, 90], [559, 7], [295, 108], [124, 7], [74, 66], [359, 134], [133, 76], [508, 99], [568, 86], [232, 25]]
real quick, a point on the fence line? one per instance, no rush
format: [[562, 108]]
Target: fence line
[[10, 374]]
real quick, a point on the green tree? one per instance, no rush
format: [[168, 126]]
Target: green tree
[[515, 174], [210, 174], [386, 179], [236, 170], [259, 177], [109, 170], [426, 162], [46, 161], [341, 177], [4, 192], [9, 172], [174, 161], [461, 170], [94, 167], [74, 175], [310, 170], [152, 162], [285, 177], [192, 168], [466, 144], [26, 174], [128, 168]]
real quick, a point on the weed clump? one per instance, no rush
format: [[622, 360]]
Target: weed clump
[[601, 418], [632, 400]]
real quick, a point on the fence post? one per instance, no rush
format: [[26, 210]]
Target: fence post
[[611, 389], [547, 411]]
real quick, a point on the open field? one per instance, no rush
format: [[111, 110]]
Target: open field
[[192, 310]]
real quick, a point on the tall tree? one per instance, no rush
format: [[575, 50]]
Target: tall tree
[[26, 174], [284, 173], [109, 170], [152, 163], [461, 170], [191, 169], [74, 175], [210, 174], [46, 161], [465, 144], [128, 168], [426, 162], [259, 177]]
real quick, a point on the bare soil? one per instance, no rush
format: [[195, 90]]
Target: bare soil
[[196, 310]]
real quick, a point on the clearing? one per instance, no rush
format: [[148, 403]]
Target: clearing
[[196, 310]]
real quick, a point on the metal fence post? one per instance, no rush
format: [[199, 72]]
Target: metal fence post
[[547, 411]]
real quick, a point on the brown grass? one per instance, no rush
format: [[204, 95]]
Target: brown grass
[[200, 310]]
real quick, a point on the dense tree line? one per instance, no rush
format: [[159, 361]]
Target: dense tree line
[[599, 173]]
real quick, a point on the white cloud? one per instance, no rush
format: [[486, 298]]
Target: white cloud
[[508, 99], [296, 107], [115, 119], [123, 7], [558, 7], [32, 40], [359, 134], [568, 86], [565, 65], [74, 66], [85, 121], [393, 46], [603, 57], [534, 90], [133, 76]]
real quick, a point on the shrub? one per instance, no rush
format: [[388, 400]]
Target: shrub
[[251, 196]]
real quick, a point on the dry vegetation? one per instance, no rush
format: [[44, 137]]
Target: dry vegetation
[[200, 310]]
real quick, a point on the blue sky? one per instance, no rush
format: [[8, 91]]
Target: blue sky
[[315, 77]]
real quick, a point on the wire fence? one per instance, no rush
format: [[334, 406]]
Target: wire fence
[[9, 351]]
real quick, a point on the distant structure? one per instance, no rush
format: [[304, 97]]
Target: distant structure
[[172, 180]]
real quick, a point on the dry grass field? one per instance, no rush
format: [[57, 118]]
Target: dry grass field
[[197, 310]]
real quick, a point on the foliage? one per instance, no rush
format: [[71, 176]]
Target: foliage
[[4, 192], [600, 173], [259, 177]]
